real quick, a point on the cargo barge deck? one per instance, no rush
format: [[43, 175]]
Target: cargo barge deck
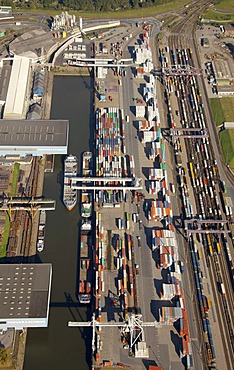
[[85, 278], [86, 236], [69, 194]]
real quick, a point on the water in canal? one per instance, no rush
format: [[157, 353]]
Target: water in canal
[[59, 347]]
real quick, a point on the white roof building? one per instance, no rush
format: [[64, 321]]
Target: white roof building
[[16, 95]]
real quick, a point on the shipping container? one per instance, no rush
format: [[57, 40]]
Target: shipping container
[[222, 288]]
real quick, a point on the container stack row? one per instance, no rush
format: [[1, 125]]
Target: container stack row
[[162, 237], [159, 208], [99, 266], [169, 291], [108, 143]]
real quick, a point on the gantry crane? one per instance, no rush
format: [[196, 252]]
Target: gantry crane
[[30, 204], [198, 230], [133, 325]]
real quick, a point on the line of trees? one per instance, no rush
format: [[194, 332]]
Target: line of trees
[[85, 5]]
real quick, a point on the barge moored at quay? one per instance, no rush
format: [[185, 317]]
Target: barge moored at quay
[[70, 170], [85, 267], [41, 231], [86, 236], [86, 195]]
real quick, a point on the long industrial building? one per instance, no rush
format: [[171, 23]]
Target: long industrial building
[[33, 137], [17, 90], [24, 295]]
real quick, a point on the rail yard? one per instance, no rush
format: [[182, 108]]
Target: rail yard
[[209, 198]]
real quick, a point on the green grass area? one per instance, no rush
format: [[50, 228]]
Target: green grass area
[[117, 14], [227, 143], [6, 359], [217, 111], [5, 237], [225, 5], [15, 178], [3, 246], [219, 17], [228, 108], [223, 111]]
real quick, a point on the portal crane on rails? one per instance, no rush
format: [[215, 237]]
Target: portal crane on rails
[[29, 204], [181, 70], [198, 230], [133, 325]]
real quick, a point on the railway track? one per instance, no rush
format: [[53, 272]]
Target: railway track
[[204, 208], [228, 301], [205, 201], [30, 190]]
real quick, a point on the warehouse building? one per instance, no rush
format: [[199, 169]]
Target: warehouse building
[[222, 69], [227, 90], [38, 85], [24, 295], [34, 112], [17, 90], [33, 137]]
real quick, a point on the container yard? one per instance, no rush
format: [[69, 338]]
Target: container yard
[[121, 214], [109, 133]]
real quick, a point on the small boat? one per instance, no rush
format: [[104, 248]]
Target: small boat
[[70, 170]]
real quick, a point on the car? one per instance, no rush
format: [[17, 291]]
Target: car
[[172, 188], [134, 217], [139, 241]]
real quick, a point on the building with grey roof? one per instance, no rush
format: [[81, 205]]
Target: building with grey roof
[[33, 44], [38, 84], [227, 90], [24, 295], [4, 81], [34, 137], [34, 112]]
